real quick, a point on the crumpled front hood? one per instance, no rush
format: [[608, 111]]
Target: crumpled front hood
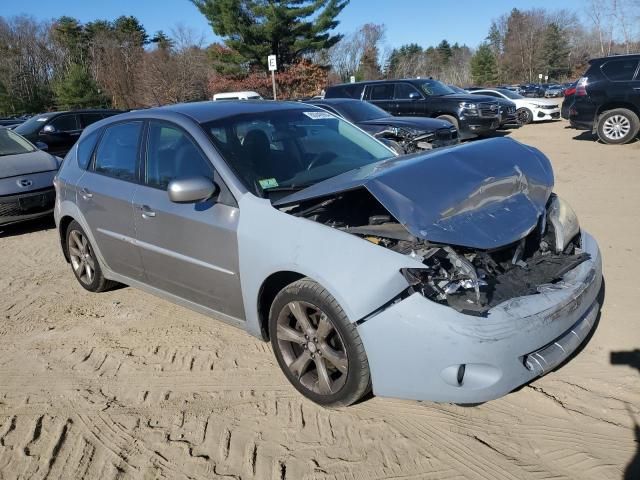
[[26, 163], [484, 194], [419, 123]]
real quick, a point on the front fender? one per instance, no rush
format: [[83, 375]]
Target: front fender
[[361, 276]]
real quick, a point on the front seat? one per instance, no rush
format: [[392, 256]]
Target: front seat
[[257, 151]]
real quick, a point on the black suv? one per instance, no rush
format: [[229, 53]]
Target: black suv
[[607, 99], [471, 115], [60, 130]]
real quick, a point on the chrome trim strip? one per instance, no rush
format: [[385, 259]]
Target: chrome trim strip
[[164, 251]]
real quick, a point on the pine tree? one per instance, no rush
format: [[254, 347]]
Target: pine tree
[[287, 28], [555, 53], [77, 90], [483, 66]]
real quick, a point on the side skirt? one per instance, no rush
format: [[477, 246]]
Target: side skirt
[[228, 319]]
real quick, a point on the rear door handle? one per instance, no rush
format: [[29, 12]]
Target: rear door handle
[[86, 194], [147, 212]]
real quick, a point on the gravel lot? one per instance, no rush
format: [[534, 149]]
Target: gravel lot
[[124, 385]]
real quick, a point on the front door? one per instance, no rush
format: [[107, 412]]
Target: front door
[[189, 250], [64, 132], [105, 196]]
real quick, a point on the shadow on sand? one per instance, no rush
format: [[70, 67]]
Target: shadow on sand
[[632, 359]]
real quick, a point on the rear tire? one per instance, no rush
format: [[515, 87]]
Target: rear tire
[[84, 262], [317, 347], [618, 126], [451, 119]]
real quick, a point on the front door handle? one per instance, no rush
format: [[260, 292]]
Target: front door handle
[[147, 212], [86, 194]]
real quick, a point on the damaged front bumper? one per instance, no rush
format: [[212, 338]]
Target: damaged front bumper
[[421, 350]]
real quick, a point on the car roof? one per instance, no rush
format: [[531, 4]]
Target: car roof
[[367, 82], [632, 56], [208, 111], [334, 101], [234, 94]]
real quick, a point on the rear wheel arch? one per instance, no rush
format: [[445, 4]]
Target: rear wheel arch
[[613, 105], [62, 232]]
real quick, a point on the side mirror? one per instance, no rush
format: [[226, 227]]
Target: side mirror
[[49, 129], [191, 190], [42, 146], [414, 96]]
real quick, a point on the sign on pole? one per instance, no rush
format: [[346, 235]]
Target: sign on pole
[[271, 59], [546, 77], [540, 76], [353, 79], [273, 66]]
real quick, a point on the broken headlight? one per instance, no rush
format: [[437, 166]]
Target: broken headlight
[[564, 222]]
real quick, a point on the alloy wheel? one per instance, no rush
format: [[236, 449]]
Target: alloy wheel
[[312, 348], [82, 257], [616, 127], [523, 116]]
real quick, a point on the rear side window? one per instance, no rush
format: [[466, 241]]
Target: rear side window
[[85, 149], [172, 154], [345, 91], [89, 118], [64, 123], [382, 92], [117, 152], [620, 70]]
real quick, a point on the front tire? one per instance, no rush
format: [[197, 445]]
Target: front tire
[[84, 262], [317, 348], [618, 126], [524, 116]]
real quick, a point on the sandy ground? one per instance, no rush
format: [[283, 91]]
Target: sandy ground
[[124, 385]]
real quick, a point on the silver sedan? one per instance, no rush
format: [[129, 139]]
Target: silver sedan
[[26, 179]]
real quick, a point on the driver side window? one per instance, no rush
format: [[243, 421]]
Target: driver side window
[[65, 123], [171, 154]]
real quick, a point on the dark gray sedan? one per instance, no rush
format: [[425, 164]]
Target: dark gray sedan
[[26, 179]]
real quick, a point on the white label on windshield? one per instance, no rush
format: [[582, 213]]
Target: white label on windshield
[[41, 120], [318, 115]]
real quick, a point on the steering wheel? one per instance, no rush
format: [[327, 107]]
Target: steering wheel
[[321, 159]]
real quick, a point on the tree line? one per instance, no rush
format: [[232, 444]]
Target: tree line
[[66, 64]]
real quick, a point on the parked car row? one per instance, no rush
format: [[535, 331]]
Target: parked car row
[[472, 116]]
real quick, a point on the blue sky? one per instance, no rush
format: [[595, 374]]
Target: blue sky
[[425, 22]]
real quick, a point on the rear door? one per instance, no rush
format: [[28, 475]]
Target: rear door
[[66, 130], [189, 250], [623, 75], [381, 94], [105, 196], [87, 119]]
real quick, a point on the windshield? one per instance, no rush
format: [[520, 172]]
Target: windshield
[[12, 144], [291, 149], [509, 94], [360, 111], [32, 125], [435, 88]]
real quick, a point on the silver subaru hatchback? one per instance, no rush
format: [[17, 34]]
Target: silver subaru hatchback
[[455, 275]]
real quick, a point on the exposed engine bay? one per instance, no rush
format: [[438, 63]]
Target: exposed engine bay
[[409, 140], [469, 280]]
